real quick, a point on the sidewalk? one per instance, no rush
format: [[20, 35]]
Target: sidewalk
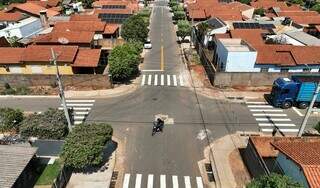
[[224, 162]]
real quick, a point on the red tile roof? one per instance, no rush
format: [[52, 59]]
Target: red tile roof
[[74, 37], [108, 2], [11, 17], [31, 8], [297, 13], [87, 58], [317, 28], [11, 55], [42, 53], [305, 153], [54, 3], [79, 17], [111, 28], [267, 4], [252, 36], [197, 14], [306, 20], [93, 26]]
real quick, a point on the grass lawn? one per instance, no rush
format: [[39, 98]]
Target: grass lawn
[[49, 174]]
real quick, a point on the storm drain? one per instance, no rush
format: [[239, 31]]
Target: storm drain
[[114, 178], [209, 172]]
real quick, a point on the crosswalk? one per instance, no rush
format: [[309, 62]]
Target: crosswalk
[[162, 80], [149, 181], [81, 109], [269, 118]]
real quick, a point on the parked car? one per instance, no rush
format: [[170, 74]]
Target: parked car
[[147, 44]]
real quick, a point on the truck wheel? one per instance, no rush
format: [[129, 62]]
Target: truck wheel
[[286, 105], [303, 105]]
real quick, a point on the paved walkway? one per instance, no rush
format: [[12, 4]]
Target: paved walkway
[[221, 149]]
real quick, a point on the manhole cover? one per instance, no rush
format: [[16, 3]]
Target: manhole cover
[[154, 99]]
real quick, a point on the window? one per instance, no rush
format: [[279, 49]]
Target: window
[[306, 70], [265, 69], [284, 70], [15, 69], [285, 91], [36, 69]]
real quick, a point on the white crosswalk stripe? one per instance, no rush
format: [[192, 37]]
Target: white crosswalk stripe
[[138, 181], [162, 80], [150, 181], [156, 80], [187, 182], [81, 109], [161, 181], [269, 118]]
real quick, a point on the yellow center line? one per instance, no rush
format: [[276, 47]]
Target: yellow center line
[[161, 59]]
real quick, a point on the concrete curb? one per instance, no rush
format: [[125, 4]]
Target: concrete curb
[[111, 167], [29, 96]]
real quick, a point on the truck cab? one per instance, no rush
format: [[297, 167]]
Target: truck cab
[[284, 91]]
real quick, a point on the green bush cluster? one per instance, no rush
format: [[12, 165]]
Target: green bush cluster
[[83, 147], [10, 119], [179, 15], [259, 11], [274, 180], [51, 124], [124, 60]]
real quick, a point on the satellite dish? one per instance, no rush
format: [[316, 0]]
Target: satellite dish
[[63, 40]]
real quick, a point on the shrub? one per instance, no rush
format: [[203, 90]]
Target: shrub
[[173, 3], [10, 119], [184, 29], [52, 124], [274, 180], [259, 11], [177, 8], [245, 1], [83, 147], [179, 15], [124, 60]]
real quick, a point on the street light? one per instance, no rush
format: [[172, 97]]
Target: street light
[[61, 91]]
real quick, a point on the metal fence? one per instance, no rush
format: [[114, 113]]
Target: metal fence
[[63, 178]]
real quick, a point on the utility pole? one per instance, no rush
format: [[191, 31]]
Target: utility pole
[[310, 109], [63, 100]]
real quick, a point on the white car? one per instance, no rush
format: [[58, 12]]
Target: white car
[[147, 44]]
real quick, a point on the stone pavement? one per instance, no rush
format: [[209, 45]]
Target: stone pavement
[[221, 149]]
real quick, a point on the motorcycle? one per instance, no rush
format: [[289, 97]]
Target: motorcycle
[[157, 126]]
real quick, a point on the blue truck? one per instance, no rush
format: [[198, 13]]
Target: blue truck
[[297, 91]]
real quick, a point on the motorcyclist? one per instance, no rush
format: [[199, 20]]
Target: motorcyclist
[[158, 125]]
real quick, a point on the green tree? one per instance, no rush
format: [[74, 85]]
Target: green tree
[[10, 119], [316, 7], [135, 29], [51, 124], [184, 29], [124, 60], [274, 181], [245, 1], [173, 3], [179, 15], [83, 147], [177, 8], [259, 11]]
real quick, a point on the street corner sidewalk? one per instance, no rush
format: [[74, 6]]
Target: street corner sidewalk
[[216, 93], [98, 179], [220, 159], [107, 93]]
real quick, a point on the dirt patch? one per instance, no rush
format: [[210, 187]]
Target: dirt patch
[[238, 168]]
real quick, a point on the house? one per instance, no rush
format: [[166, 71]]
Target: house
[[31, 9], [235, 55], [15, 164], [270, 57], [36, 59], [298, 158]]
